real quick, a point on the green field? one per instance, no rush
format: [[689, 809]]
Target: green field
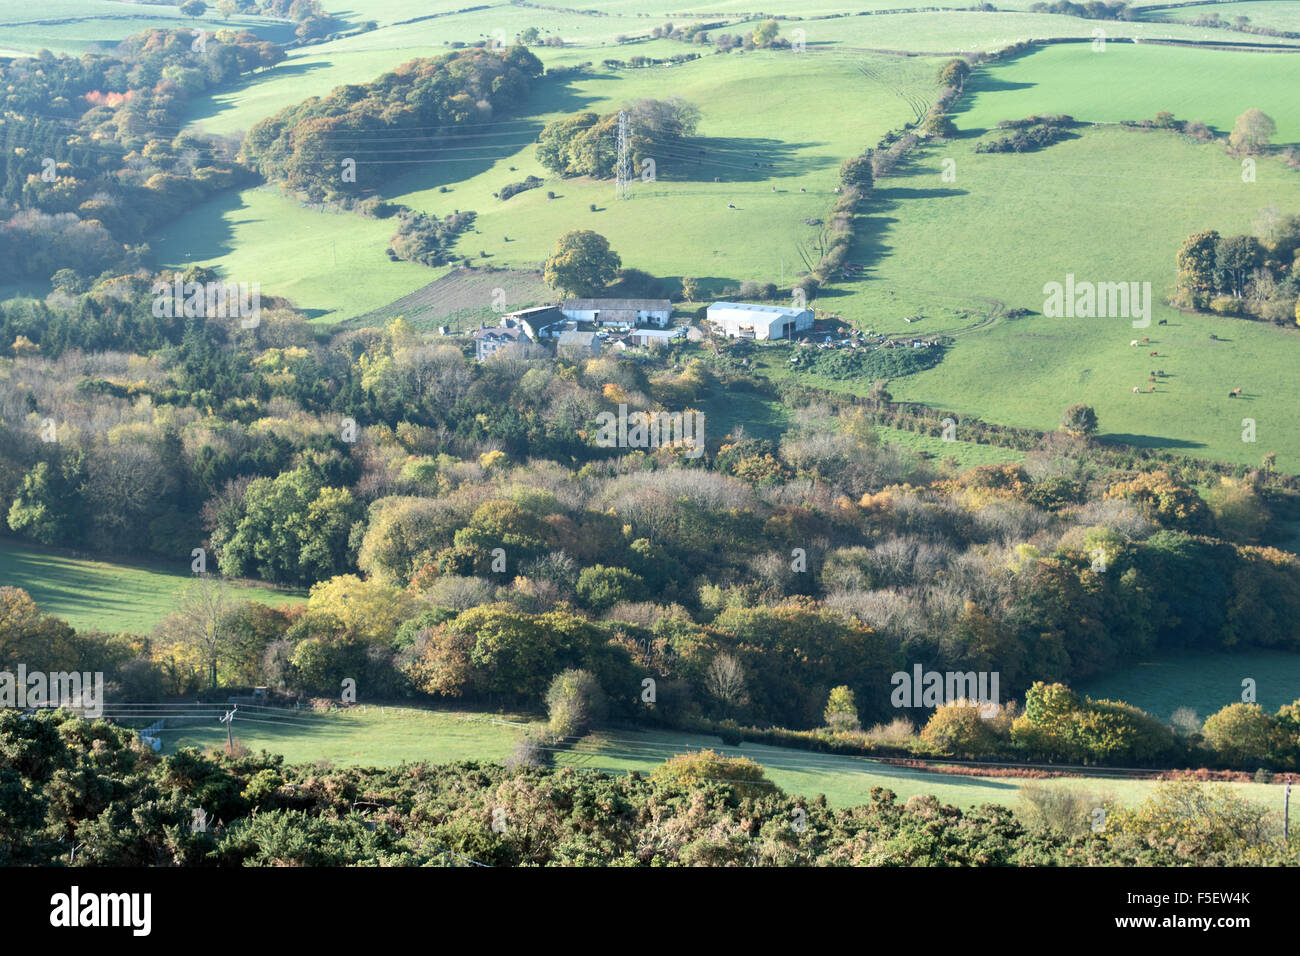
[[376, 736], [96, 595], [1274, 14], [373, 736], [1111, 205], [1205, 682], [321, 260], [77, 26], [1128, 82], [331, 264]]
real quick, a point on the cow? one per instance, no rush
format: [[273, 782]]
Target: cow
[[1163, 322], [1133, 343], [1236, 391], [732, 205], [1136, 389], [1232, 394], [1154, 354], [1151, 379], [1213, 337], [1161, 373], [1145, 341], [1151, 388]]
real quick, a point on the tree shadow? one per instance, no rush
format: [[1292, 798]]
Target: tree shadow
[[1147, 441], [204, 233], [210, 106], [735, 159]]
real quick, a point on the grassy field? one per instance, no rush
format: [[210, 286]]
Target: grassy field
[[387, 736], [107, 597], [1205, 682], [1111, 205], [331, 264], [1274, 14], [1129, 82], [372, 736], [77, 26], [262, 234]]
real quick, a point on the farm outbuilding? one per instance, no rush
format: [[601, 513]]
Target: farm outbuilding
[[653, 336], [611, 312], [738, 320], [579, 342]]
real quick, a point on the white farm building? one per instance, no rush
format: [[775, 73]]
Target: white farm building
[[739, 320], [611, 312]]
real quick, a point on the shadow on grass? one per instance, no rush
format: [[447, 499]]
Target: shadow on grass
[[1147, 441]]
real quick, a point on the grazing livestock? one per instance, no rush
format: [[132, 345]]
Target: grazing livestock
[[1151, 379], [1163, 322], [1145, 340], [1134, 342], [1153, 354], [1236, 391], [1213, 337], [732, 205], [1151, 388], [1136, 389], [1232, 394]]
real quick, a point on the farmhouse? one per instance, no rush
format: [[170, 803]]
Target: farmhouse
[[488, 340], [610, 312], [738, 320]]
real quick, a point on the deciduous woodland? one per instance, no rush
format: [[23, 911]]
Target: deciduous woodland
[[391, 476]]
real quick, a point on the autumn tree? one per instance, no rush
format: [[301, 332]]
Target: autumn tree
[[1196, 265], [1251, 133], [1079, 419], [582, 264], [841, 710], [1240, 734]]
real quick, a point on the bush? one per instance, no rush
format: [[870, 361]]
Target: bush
[[1239, 733], [690, 770], [960, 730], [601, 587], [574, 700]]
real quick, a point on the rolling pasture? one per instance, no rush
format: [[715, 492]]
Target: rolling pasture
[[1273, 14], [109, 597], [1102, 208], [78, 26], [775, 165], [1128, 82], [386, 736]]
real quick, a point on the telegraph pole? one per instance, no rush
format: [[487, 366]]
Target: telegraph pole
[[229, 721], [623, 167]]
